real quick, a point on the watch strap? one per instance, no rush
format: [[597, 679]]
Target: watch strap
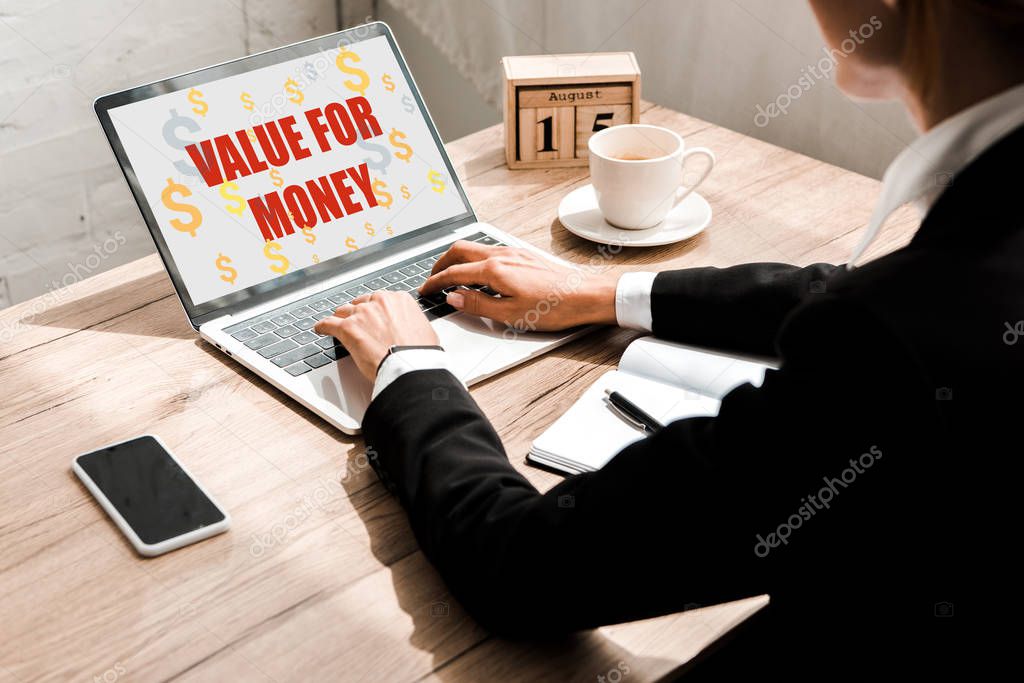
[[395, 348]]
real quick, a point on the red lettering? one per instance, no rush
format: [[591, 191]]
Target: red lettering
[[361, 175], [324, 199], [363, 115], [293, 137], [344, 192], [300, 206], [313, 117], [271, 216], [221, 159], [234, 166], [341, 124], [275, 150], [255, 163], [206, 162]]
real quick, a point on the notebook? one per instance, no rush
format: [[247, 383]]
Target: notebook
[[669, 381]]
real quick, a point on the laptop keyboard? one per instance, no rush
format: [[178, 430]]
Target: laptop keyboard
[[285, 336]]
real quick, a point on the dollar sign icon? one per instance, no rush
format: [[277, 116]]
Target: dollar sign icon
[[382, 163], [238, 206], [171, 137], [251, 133], [405, 191], [390, 231], [368, 227], [380, 192], [316, 259], [405, 151], [270, 250], [247, 102], [196, 98], [310, 237], [407, 104], [192, 211], [228, 274], [350, 242], [364, 81], [310, 70], [292, 88], [275, 177], [437, 183], [389, 84]]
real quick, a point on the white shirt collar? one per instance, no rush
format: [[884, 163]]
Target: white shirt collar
[[931, 163]]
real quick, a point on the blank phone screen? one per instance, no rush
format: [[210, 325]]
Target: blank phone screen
[[147, 486]]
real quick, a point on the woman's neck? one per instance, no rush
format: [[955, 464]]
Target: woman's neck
[[966, 76]]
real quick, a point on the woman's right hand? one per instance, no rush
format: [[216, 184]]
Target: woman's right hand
[[536, 293]]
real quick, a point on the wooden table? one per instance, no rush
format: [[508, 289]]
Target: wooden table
[[320, 577]]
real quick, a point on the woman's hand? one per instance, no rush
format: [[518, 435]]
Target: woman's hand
[[536, 293], [373, 323]]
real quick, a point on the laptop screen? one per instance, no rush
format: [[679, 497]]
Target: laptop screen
[[270, 172]]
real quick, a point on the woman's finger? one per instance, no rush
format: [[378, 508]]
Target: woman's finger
[[478, 303], [463, 251], [331, 326], [345, 310], [475, 273]]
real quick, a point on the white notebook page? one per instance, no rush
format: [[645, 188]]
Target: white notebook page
[[668, 381]]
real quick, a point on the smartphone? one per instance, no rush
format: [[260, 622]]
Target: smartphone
[[151, 497]]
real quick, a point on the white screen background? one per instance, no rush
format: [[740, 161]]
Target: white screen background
[[154, 132]]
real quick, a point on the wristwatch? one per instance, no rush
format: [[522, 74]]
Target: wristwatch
[[397, 347]]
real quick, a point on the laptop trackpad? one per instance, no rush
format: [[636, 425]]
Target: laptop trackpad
[[342, 385], [476, 348]]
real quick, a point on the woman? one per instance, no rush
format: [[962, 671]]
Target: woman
[[894, 392]]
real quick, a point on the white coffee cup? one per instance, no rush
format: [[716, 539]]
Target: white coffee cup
[[637, 172]]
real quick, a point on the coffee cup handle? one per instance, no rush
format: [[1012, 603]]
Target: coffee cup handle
[[684, 192]]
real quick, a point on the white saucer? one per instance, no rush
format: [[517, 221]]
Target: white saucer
[[579, 214]]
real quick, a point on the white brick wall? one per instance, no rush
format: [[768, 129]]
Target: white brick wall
[[62, 196]]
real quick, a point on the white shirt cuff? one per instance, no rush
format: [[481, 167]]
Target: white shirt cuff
[[633, 301], [401, 362]]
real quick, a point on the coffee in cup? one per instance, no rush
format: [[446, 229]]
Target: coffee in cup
[[632, 156]]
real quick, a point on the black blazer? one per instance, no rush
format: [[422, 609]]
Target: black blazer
[[896, 407]]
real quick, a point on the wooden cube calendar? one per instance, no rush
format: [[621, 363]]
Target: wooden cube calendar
[[554, 103]]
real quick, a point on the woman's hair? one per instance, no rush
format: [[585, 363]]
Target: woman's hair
[[1003, 20]]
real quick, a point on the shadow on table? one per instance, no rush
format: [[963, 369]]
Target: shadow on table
[[129, 305], [585, 253], [134, 304], [484, 160], [282, 399], [461, 649]]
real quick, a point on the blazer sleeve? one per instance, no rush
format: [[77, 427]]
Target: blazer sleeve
[[740, 308], [670, 522]]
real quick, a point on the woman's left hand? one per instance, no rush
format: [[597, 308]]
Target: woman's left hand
[[372, 323], [537, 293]]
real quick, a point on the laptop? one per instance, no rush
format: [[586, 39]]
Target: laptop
[[280, 186]]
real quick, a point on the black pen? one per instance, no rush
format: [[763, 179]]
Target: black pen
[[633, 413]]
